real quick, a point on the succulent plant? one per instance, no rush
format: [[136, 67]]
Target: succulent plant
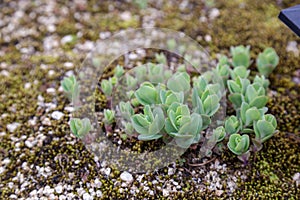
[[149, 124], [168, 97], [232, 125], [250, 114], [119, 71], [155, 73], [161, 58], [255, 95], [126, 110], [131, 82], [147, 94], [106, 87], [70, 87], [239, 71], [267, 61], [183, 126], [80, 127], [207, 104], [140, 73], [179, 82], [238, 144], [109, 116], [262, 81], [240, 56], [265, 127], [219, 134], [171, 44], [237, 89]]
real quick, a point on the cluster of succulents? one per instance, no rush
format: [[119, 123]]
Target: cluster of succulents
[[161, 103]]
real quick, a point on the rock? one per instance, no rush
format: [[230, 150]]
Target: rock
[[57, 115], [12, 127], [59, 189], [126, 176]]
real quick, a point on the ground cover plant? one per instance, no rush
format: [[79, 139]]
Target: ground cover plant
[[177, 107]]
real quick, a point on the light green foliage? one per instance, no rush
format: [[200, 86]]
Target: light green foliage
[[131, 82], [174, 110], [232, 125], [106, 87], [161, 58], [255, 95], [265, 127], [262, 81], [171, 44], [240, 56], [126, 110], [267, 61], [239, 71], [109, 116], [140, 73], [147, 94], [149, 124], [70, 87], [167, 97], [155, 73], [179, 82], [223, 68], [183, 126], [119, 71], [219, 134], [142, 4], [80, 127], [238, 144]]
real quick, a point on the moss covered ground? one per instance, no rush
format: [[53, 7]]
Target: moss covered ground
[[38, 152]]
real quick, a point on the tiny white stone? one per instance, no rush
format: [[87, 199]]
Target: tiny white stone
[[68, 65], [126, 176], [50, 90], [99, 193], [12, 127], [125, 16], [5, 73], [59, 189], [51, 72], [87, 196], [46, 121], [57, 115], [132, 56], [33, 193], [166, 193], [66, 39], [62, 197], [6, 161], [2, 133], [29, 144], [98, 183], [207, 38], [27, 85], [214, 13]]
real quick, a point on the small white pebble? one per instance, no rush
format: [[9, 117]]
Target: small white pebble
[[99, 193], [166, 193], [68, 65], [50, 90], [67, 39], [214, 13], [126, 176], [29, 144], [12, 127], [207, 38], [51, 72], [87, 196], [59, 189], [57, 115], [27, 85]]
